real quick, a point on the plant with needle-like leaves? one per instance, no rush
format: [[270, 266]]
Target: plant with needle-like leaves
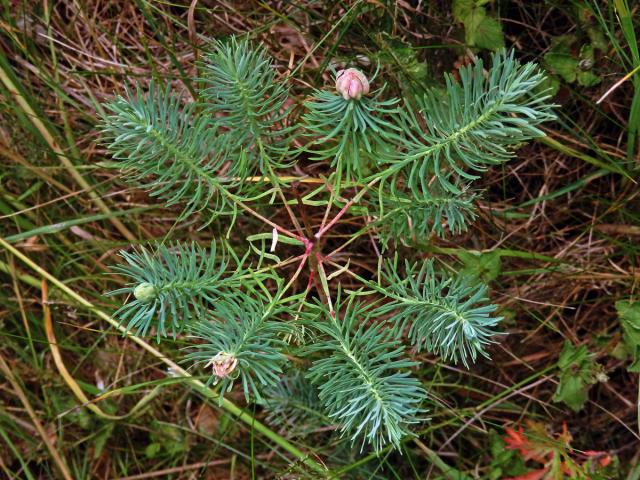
[[402, 171]]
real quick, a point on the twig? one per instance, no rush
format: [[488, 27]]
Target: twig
[[344, 209], [280, 229]]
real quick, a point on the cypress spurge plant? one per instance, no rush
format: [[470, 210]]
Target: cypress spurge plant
[[401, 171]]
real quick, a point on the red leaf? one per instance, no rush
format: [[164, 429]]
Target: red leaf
[[532, 475], [603, 458], [516, 440]]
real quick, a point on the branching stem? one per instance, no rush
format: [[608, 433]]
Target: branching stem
[[344, 209], [250, 210], [174, 367]]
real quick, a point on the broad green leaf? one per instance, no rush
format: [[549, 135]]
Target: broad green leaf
[[629, 315], [402, 58], [462, 8], [587, 79], [488, 34], [578, 372], [572, 391], [559, 59], [571, 67], [480, 266], [549, 86], [472, 22], [597, 38], [585, 75], [481, 30]]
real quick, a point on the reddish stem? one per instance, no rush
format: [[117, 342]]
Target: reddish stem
[[333, 221], [344, 209]]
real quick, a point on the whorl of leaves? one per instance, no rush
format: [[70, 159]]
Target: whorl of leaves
[[423, 153], [245, 329], [248, 102], [352, 134]]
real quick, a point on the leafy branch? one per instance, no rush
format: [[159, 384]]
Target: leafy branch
[[363, 379], [168, 148], [172, 285], [247, 101], [353, 136], [436, 212], [240, 340], [472, 124], [448, 316]]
